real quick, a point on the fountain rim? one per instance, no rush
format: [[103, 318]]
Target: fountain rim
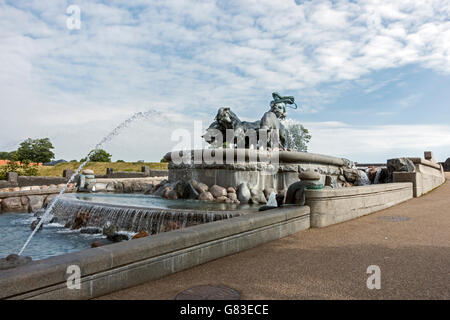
[[283, 157], [131, 207]]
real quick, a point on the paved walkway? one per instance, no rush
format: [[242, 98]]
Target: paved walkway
[[331, 263]]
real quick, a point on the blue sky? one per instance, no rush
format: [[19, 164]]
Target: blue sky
[[372, 77]]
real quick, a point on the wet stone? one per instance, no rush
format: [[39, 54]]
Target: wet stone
[[13, 261]]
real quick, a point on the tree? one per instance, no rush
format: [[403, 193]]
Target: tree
[[99, 155], [7, 155], [35, 150], [298, 137]]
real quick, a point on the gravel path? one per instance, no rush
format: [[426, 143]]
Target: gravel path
[[413, 253]]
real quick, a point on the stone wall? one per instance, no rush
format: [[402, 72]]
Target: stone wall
[[117, 266], [28, 200], [23, 181], [331, 206], [428, 175]]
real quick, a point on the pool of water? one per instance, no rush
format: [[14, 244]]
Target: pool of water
[[150, 201], [52, 240]]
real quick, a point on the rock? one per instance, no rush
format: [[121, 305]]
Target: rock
[[171, 195], [35, 188], [118, 237], [52, 186], [161, 189], [81, 220], [309, 175], [190, 192], [91, 230], [118, 186], [49, 199], [13, 204], [99, 187], [97, 244], [218, 191], [25, 188], [12, 177], [109, 229], [35, 203], [198, 186], [35, 223], [44, 187], [141, 234], [179, 188], [24, 200], [243, 193], [232, 196], [400, 165], [91, 187], [341, 178], [206, 196], [231, 190], [88, 172], [13, 261], [110, 187], [127, 186], [136, 186], [222, 199], [351, 175], [257, 196]]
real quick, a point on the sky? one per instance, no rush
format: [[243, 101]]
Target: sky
[[371, 78]]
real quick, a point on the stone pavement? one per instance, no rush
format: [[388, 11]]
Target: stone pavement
[[409, 242]]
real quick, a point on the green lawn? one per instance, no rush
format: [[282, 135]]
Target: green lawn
[[99, 167]]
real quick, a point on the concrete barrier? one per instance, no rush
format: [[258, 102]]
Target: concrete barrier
[[118, 266], [427, 176], [331, 206]]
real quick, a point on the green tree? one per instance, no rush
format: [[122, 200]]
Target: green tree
[[7, 155], [99, 155], [298, 137], [35, 150]]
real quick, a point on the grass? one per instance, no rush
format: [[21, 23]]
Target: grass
[[99, 167]]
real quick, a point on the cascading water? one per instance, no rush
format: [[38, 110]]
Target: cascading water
[[46, 216], [272, 202], [133, 219]]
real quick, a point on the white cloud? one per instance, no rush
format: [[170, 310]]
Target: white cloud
[[378, 143]]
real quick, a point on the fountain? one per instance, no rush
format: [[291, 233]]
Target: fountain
[[270, 166], [220, 193], [45, 217]]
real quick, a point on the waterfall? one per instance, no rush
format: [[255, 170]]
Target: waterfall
[[133, 219]]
